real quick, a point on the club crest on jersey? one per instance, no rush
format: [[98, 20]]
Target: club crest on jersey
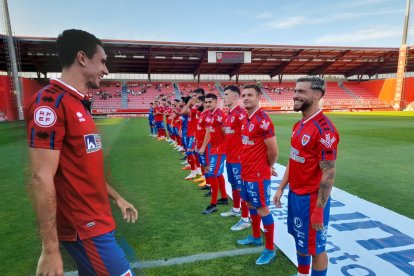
[[219, 118], [232, 119], [241, 117], [251, 127], [93, 142], [328, 141], [305, 139], [265, 125], [45, 116]]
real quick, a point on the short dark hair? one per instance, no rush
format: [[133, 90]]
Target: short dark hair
[[72, 41], [186, 99], [211, 96], [199, 91], [151, 103], [317, 83], [233, 88], [202, 99], [253, 86]]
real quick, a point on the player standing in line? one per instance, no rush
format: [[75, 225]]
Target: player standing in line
[[310, 174], [200, 135], [184, 129], [159, 120], [233, 125], [151, 121], [68, 186], [259, 154], [215, 131], [167, 112], [191, 109]]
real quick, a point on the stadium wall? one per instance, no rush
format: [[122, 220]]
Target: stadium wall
[[8, 104]]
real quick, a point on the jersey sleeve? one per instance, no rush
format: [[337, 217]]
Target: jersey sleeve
[[45, 122], [328, 145]]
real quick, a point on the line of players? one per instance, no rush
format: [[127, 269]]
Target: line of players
[[242, 138]]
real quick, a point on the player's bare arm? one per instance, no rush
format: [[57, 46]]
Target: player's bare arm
[[44, 164], [272, 150], [129, 213], [325, 188], [283, 184], [205, 141]]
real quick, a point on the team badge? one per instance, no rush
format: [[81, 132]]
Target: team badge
[[298, 222], [232, 119], [219, 118], [219, 56], [45, 116], [328, 141], [93, 142], [251, 127], [241, 117], [305, 139]]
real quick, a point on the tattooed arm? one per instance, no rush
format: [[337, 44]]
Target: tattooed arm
[[325, 188]]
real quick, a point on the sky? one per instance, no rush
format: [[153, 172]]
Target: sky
[[365, 23]]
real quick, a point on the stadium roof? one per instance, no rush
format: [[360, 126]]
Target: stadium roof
[[150, 57]]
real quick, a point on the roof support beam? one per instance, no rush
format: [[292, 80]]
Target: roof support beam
[[235, 70], [359, 70], [281, 67], [197, 71]]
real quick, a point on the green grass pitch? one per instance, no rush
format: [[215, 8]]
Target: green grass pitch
[[375, 162]]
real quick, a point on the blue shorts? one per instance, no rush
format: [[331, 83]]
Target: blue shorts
[[204, 158], [169, 129], [216, 164], [256, 193], [234, 175], [159, 125], [99, 255], [190, 143], [151, 122], [300, 208]]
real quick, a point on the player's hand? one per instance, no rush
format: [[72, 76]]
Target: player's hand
[[317, 219], [274, 172], [201, 151], [50, 264], [277, 197], [129, 213]]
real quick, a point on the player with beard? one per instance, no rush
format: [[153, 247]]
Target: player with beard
[[310, 173]]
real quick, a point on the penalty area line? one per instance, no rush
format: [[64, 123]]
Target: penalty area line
[[188, 259]]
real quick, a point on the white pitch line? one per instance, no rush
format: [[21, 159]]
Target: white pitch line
[[189, 259], [196, 258]]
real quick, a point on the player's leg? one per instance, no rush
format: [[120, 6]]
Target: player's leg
[[246, 195], [222, 183], [235, 210], [191, 158], [213, 181]]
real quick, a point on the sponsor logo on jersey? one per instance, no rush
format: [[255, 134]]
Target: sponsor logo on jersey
[[228, 130], [246, 141], [295, 155], [328, 141], [90, 224], [45, 116], [265, 125], [305, 139], [80, 116], [92, 142]]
